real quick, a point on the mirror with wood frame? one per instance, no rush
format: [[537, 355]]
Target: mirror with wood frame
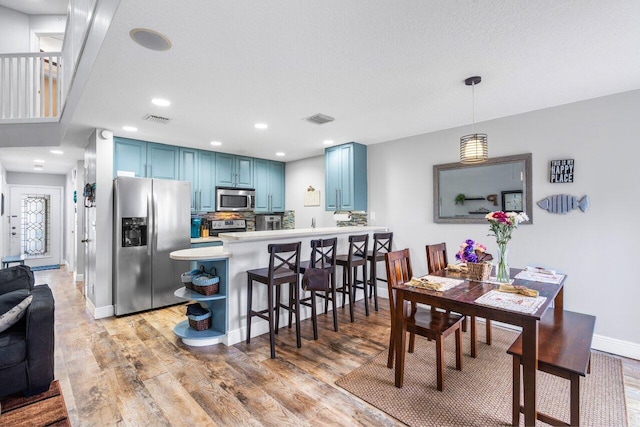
[[465, 193]]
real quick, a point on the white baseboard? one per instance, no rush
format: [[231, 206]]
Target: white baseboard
[[609, 345], [99, 312], [78, 277]]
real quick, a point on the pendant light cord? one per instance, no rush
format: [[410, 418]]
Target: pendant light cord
[[473, 107]]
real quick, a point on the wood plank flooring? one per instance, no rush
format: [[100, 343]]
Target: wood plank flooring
[[133, 371]]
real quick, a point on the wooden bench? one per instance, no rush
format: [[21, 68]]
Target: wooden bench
[[564, 350], [11, 259]]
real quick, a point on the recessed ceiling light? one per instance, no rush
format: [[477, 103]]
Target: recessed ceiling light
[[280, 154], [216, 143], [261, 125], [38, 161], [130, 128], [57, 152], [161, 102], [150, 39], [327, 142], [37, 167]]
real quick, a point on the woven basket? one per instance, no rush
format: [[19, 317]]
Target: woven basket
[[479, 272], [187, 278], [206, 284], [201, 320], [200, 325]]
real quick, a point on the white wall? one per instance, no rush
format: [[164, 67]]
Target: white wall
[[596, 249], [44, 24], [298, 177], [14, 31]]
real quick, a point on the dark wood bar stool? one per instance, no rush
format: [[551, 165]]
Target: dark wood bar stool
[[322, 248], [357, 257], [381, 245], [284, 267], [436, 261], [435, 325]]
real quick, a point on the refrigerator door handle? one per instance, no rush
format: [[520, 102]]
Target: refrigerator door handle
[[150, 225], [155, 221]]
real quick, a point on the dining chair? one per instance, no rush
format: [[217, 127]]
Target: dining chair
[[284, 267], [435, 325], [322, 248], [436, 261], [382, 243], [356, 257]]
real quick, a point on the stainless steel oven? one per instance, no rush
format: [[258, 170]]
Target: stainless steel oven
[[230, 199]]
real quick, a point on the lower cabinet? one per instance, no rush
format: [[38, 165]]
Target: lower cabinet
[[218, 304]]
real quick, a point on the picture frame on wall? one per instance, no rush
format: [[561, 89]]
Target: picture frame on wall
[[512, 201]]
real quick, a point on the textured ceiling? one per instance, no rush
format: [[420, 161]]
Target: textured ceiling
[[37, 7], [384, 69]]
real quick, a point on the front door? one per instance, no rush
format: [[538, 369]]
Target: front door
[[35, 224]]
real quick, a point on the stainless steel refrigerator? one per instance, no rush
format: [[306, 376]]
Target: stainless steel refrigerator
[[151, 219]]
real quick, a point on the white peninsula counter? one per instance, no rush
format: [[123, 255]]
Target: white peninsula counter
[[249, 251]]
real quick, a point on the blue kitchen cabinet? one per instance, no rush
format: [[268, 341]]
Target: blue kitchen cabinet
[[197, 167], [234, 171], [269, 180], [129, 155], [346, 177], [145, 159], [162, 161]]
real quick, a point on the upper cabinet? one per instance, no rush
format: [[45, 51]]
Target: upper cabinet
[[198, 167], [234, 171], [269, 180], [145, 159], [346, 177]]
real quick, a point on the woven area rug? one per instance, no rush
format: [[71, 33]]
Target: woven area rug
[[480, 394], [46, 409]]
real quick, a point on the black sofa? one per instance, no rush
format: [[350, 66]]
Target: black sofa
[[26, 348]]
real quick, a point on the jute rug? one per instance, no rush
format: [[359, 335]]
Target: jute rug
[[46, 409], [480, 394]]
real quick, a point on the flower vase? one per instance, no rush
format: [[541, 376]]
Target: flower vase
[[502, 270]]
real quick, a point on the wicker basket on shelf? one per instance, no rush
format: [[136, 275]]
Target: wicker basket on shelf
[[199, 317], [479, 272], [188, 276], [206, 283]]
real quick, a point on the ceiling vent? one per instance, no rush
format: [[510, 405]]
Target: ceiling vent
[[320, 119], [156, 119]]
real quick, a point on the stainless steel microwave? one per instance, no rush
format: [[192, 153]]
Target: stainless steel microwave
[[231, 199]]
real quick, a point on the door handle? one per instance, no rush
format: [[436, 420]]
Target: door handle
[[85, 240], [13, 233]]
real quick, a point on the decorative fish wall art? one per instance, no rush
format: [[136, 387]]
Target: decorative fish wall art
[[563, 203]]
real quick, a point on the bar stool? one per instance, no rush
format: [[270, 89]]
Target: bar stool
[[357, 257], [322, 248], [284, 267], [381, 245], [437, 260]]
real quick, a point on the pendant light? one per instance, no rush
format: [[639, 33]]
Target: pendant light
[[474, 147]]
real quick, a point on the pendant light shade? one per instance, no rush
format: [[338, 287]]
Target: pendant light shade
[[474, 148]]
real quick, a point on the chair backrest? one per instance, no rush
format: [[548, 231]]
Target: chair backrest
[[382, 243], [358, 245], [399, 271], [323, 250], [284, 256], [436, 257]]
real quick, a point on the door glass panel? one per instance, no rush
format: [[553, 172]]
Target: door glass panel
[[36, 224]]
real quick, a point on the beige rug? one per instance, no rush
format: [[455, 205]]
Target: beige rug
[[480, 394]]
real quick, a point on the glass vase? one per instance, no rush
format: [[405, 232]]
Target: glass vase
[[502, 270]]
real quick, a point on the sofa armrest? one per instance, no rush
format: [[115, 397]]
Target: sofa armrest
[[14, 278], [40, 338]]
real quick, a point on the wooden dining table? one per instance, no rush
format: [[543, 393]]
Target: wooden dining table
[[461, 299]]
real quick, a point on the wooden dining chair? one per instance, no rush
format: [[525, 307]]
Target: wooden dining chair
[[436, 261], [434, 325]]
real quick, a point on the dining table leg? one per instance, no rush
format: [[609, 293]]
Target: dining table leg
[[529, 369], [400, 333]]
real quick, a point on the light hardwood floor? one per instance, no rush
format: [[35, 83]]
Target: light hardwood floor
[[133, 371]]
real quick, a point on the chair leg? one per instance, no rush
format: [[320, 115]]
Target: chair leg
[[352, 292], [296, 291], [277, 306], [344, 284], [333, 302], [391, 349], [249, 316], [291, 295], [365, 287], [440, 361], [488, 326], [412, 342], [474, 337], [314, 317], [272, 330], [464, 324], [459, 349], [515, 390], [574, 407]]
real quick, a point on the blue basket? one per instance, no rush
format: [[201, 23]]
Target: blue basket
[[206, 284]]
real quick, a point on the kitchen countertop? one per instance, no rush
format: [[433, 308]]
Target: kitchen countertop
[[205, 239], [249, 236], [200, 254]]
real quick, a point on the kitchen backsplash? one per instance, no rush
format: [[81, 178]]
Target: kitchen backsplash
[[357, 219], [289, 220], [248, 216]]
